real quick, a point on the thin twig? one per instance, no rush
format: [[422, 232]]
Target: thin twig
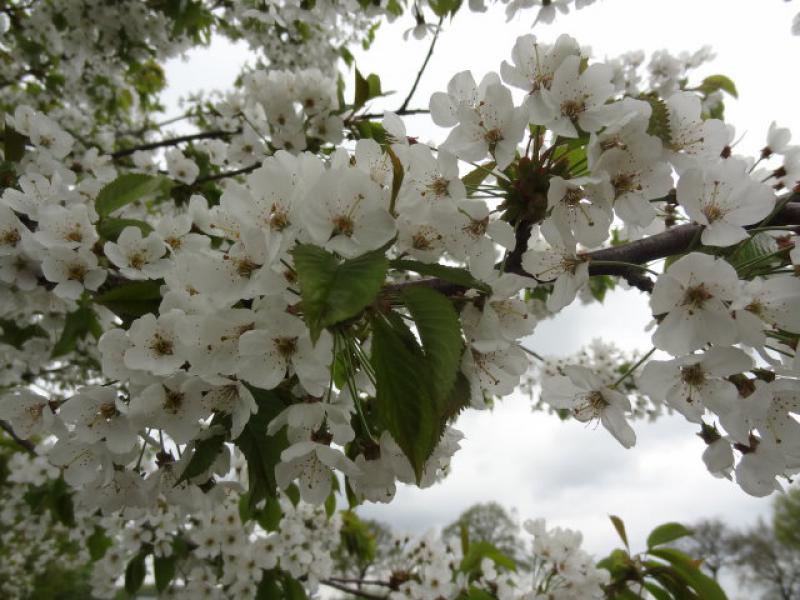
[[204, 135], [355, 592], [27, 445], [404, 105], [225, 174]]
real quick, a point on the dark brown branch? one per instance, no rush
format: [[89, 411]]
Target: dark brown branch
[[675, 240], [205, 135], [224, 174], [400, 113], [354, 592], [27, 445]]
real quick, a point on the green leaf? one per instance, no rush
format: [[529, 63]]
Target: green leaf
[[480, 550], [134, 573], [397, 178], [455, 275], [659, 119], [478, 594], [403, 397], [688, 569], [330, 503], [262, 451], [98, 543], [599, 285], [13, 144], [268, 588], [125, 189], [442, 8], [477, 176], [374, 85], [333, 291], [757, 251], [440, 330], [16, 336], [132, 299], [362, 90], [270, 516], [293, 589], [77, 326], [620, 527], [164, 571], [666, 533], [110, 228], [714, 83], [293, 493], [205, 453], [658, 592]]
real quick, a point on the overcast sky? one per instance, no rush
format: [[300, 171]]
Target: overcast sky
[[572, 474]]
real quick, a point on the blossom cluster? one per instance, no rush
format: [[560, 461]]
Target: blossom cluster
[[314, 295]]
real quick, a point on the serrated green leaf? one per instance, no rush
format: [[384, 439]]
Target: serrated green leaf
[[125, 189], [619, 525], [455, 275], [403, 398], [262, 451], [205, 453], [714, 83], [110, 228], [440, 331], [659, 125], [134, 573], [333, 291], [163, 571], [666, 533], [134, 299], [371, 130], [759, 250], [77, 326]]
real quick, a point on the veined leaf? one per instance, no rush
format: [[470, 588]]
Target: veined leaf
[[440, 331], [455, 275], [132, 299], [659, 119], [262, 451], [125, 189], [333, 291], [403, 398], [666, 533]]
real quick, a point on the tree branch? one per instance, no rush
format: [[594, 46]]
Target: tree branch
[[354, 592], [675, 240], [27, 445], [404, 105], [173, 142]]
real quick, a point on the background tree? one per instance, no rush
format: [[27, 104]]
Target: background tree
[[488, 522]]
